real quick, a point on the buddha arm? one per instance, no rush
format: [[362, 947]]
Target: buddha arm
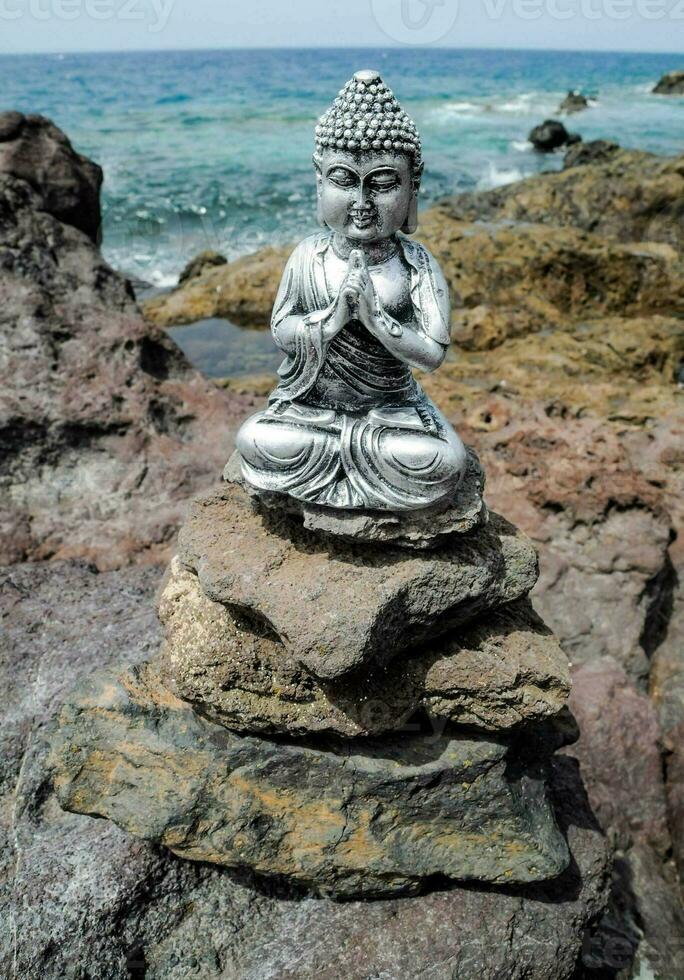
[[406, 341], [285, 330]]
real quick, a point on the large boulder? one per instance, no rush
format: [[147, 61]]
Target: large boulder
[[672, 83], [105, 428], [68, 184]]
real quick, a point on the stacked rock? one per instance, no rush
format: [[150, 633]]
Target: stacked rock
[[364, 704]]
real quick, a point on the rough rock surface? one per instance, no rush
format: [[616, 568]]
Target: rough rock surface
[[593, 151], [505, 280], [671, 83], [621, 763], [551, 135], [105, 429], [494, 674], [632, 197], [574, 102], [268, 567], [201, 263], [377, 817], [80, 897], [241, 292], [423, 529], [33, 149]]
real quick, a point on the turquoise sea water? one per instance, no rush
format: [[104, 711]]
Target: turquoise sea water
[[212, 149]]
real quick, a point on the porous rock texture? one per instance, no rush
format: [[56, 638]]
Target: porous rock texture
[[105, 428], [81, 898], [68, 184], [494, 674], [421, 529], [378, 817], [361, 604]]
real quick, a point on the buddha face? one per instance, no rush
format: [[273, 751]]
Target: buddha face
[[365, 196]]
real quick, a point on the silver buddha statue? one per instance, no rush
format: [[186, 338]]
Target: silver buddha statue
[[359, 306]]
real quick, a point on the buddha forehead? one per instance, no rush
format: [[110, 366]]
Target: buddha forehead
[[364, 162]]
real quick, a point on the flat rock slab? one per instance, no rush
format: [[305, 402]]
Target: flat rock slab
[[378, 818], [336, 606], [421, 529], [498, 672]]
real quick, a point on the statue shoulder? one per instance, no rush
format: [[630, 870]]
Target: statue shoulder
[[309, 247], [433, 290]]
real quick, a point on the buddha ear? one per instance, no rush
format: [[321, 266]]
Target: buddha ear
[[319, 188], [411, 222]]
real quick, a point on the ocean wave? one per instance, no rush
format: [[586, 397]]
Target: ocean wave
[[521, 146], [498, 177], [525, 104]]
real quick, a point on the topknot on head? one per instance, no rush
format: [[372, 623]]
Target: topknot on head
[[366, 116]]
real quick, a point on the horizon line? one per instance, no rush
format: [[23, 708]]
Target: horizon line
[[329, 47]]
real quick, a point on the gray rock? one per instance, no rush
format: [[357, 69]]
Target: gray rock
[[496, 673], [422, 529], [33, 149], [377, 817], [671, 83], [574, 102], [359, 604], [595, 151], [105, 428], [81, 899]]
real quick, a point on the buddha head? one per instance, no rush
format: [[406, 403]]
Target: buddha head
[[368, 163]]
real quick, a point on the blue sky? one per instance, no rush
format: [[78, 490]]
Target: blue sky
[[96, 25]]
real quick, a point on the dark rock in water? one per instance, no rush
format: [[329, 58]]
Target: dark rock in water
[[574, 102], [670, 84], [349, 819], [362, 603], [105, 428], [80, 891], [502, 670], [596, 151], [201, 263], [551, 135], [33, 149]]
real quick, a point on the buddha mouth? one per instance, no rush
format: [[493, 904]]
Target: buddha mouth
[[363, 217]]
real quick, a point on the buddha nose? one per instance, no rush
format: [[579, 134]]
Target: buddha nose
[[361, 196]]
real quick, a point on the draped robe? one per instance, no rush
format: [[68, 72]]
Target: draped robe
[[348, 426]]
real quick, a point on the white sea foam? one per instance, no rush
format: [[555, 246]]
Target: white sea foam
[[498, 177], [521, 146]]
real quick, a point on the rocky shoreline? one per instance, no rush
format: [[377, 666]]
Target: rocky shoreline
[[566, 377]]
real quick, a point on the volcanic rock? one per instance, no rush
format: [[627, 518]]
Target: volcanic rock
[[201, 263], [33, 149], [361, 604], [551, 135], [671, 83], [631, 197], [105, 429], [493, 674], [242, 292], [595, 151], [574, 102], [349, 819]]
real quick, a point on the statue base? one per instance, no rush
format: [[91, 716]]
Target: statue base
[[420, 529]]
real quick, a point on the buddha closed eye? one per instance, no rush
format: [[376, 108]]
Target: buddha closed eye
[[352, 186]]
